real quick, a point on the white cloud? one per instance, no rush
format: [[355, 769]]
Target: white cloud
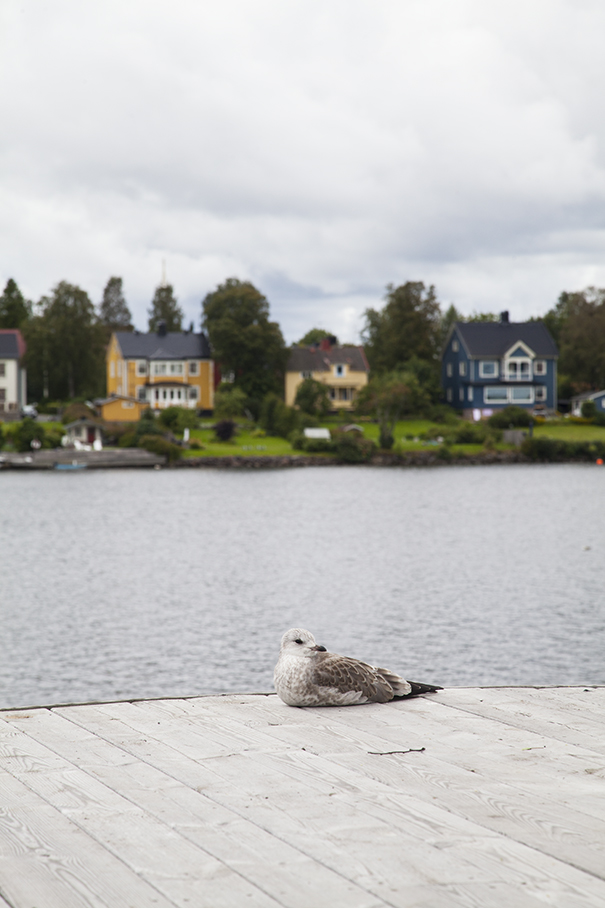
[[320, 149]]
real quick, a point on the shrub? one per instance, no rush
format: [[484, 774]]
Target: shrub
[[225, 429], [510, 416], [28, 431], [195, 445], [313, 397], [350, 447], [168, 417], [278, 419], [588, 409], [128, 439], [553, 449], [229, 402], [161, 446]]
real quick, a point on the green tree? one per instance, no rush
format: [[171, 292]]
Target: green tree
[[65, 346], [229, 402], [164, 306], [315, 336], [388, 397], [312, 397], [581, 336], [244, 340], [449, 317], [408, 325], [15, 310], [113, 311], [482, 317]]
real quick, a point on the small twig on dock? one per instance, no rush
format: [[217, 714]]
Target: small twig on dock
[[387, 753]]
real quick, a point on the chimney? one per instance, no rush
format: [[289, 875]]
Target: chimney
[[327, 343], [161, 330], [504, 317]]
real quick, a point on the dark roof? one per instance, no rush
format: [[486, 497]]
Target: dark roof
[[311, 359], [495, 338], [12, 345], [173, 345]]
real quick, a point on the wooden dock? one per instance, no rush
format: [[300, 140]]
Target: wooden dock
[[470, 797]]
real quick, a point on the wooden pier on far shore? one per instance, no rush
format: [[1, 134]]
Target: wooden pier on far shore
[[469, 797]]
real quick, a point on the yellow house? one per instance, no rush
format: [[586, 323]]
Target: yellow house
[[121, 409], [160, 369], [343, 369]]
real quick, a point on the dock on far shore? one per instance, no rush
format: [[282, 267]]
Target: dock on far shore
[[468, 797]]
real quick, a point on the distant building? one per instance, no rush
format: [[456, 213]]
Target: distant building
[[121, 409], [161, 369], [598, 397], [13, 377], [486, 366], [343, 369]]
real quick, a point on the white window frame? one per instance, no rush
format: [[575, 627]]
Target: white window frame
[[519, 375], [540, 367], [449, 370], [462, 368], [488, 362], [176, 368], [159, 368], [470, 392], [508, 399], [194, 393], [141, 367], [112, 369], [140, 392], [340, 370], [449, 395], [455, 346], [461, 394], [306, 374], [541, 393], [194, 367]]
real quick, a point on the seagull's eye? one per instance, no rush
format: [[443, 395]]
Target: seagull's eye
[[298, 640]]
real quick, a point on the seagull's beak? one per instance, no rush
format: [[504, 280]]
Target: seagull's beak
[[318, 649]]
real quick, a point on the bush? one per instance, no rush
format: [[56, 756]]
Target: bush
[[386, 439], [553, 449], [195, 445], [588, 409], [278, 419], [225, 429], [350, 447], [312, 397], [510, 416], [169, 417], [229, 402], [28, 431], [161, 446]]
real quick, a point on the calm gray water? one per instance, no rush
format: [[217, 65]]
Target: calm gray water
[[125, 584]]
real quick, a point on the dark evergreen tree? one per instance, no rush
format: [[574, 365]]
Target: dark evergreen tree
[[15, 310], [165, 307], [244, 341], [409, 325], [113, 311], [65, 346]]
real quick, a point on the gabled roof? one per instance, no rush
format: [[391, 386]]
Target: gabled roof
[[12, 345], [172, 345], [312, 359], [496, 338]]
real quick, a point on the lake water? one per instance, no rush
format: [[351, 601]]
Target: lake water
[[119, 584]]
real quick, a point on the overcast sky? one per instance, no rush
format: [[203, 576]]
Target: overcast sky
[[319, 148]]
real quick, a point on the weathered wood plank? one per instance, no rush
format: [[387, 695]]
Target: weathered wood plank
[[230, 790]]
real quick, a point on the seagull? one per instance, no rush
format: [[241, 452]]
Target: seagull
[[307, 675]]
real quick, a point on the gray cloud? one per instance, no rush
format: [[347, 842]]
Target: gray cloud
[[319, 149]]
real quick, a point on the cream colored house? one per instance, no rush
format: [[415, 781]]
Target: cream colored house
[[343, 369]]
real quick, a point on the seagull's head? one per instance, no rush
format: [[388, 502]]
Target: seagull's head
[[297, 642]]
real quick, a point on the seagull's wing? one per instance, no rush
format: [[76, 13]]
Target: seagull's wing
[[348, 675]]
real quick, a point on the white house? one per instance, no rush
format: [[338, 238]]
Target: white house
[[13, 379]]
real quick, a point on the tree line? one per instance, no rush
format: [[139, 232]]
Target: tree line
[[67, 335]]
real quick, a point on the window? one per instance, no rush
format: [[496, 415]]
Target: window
[[449, 370], [193, 393], [462, 368], [495, 394], [119, 367], [449, 395], [193, 368], [541, 393], [540, 367], [176, 368], [518, 370], [488, 368], [522, 395], [461, 394], [343, 393], [455, 346], [127, 405], [332, 393], [306, 374], [339, 371], [112, 369], [142, 394], [470, 392], [159, 369], [141, 367], [2, 394], [2, 370]]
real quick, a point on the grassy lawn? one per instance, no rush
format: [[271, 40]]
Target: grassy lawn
[[245, 444]]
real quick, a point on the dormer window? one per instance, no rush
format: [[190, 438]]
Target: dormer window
[[339, 371], [519, 370], [455, 346]]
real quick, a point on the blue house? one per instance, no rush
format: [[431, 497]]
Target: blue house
[[486, 366]]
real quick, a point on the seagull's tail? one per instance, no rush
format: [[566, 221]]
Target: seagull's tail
[[419, 688]]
